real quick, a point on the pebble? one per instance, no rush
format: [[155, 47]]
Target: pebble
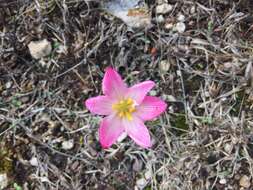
[[193, 10], [180, 27], [163, 8], [160, 19], [244, 181], [3, 181], [228, 147], [39, 49], [223, 181], [8, 84], [34, 161], [164, 66], [181, 18], [168, 26], [67, 145]]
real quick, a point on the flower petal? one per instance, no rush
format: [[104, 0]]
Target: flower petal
[[101, 105], [110, 129], [150, 108], [112, 84], [138, 132], [139, 91]]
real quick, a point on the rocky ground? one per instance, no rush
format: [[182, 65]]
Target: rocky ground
[[52, 58]]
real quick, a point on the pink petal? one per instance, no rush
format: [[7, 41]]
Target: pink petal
[[101, 105], [138, 132], [110, 129], [150, 108], [139, 91], [112, 84]]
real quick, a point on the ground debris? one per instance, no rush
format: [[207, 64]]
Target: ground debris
[[198, 53]]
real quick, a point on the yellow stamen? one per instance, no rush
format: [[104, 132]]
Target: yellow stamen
[[131, 110], [129, 116], [124, 108], [121, 114], [129, 101]]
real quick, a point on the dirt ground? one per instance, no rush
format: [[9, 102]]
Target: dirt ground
[[49, 140]]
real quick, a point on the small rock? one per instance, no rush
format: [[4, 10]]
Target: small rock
[[181, 18], [228, 147], [245, 181], [160, 19], [39, 49], [168, 26], [3, 181], [134, 17], [34, 161], [193, 10], [67, 145], [8, 84], [180, 27], [163, 8], [141, 183], [179, 73], [223, 181], [164, 66]]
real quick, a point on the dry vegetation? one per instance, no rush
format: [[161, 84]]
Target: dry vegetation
[[205, 74]]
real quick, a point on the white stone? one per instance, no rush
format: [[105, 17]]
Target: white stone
[[181, 18], [160, 19], [164, 66], [67, 145], [128, 12], [193, 10], [223, 181], [168, 26], [8, 84], [39, 49], [3, 181], [228, 147], [34, 161], [163, 8], [180, 27]]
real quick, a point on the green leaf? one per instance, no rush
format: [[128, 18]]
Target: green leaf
[[17, 187]]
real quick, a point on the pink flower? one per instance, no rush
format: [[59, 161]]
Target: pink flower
[[125, 109]]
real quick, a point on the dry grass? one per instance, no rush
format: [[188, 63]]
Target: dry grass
[[203, 141]]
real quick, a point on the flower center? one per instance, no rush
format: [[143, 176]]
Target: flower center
[[125, 108]]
